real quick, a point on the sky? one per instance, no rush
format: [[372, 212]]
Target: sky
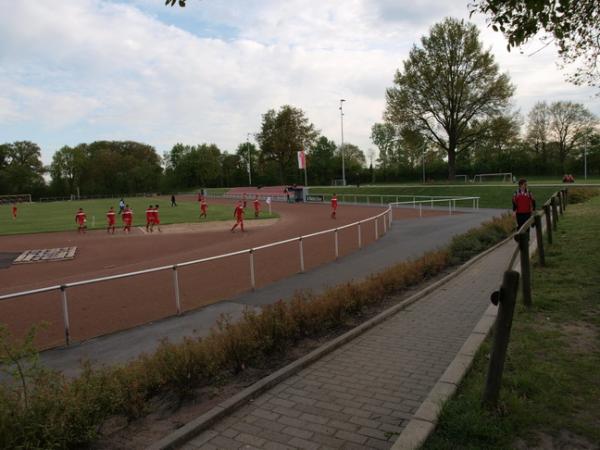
[[85, 70]]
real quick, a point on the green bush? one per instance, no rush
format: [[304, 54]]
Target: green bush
[[580, 195], [42, 409]]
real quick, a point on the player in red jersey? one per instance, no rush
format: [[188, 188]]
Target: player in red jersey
[[150, 219], [110, 220], [80, 220], [14, 211], [203, 207], [238, 214], [334, 205], [127, 217], [156, 218], [256, 203]]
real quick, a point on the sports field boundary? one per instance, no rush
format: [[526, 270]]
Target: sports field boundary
[[196, 426]]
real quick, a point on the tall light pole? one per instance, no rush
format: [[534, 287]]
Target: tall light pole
[[585, 150], [249, 159], [342, 145], [423, 158]]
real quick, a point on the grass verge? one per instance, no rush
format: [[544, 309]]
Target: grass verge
[[44, 409], [550, 395]]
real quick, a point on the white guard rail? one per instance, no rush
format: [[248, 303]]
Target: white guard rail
[[451, 201], [387, 222]]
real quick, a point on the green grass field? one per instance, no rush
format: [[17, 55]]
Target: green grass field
[[60, 216], [491, 196]]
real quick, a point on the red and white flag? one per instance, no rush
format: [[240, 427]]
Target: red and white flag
[[301, 160]]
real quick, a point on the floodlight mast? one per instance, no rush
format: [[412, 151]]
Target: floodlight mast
[[249, 159], [342, 144]]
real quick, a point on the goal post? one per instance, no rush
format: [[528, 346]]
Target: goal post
[[505, 177], [15, 198], [463, 178]]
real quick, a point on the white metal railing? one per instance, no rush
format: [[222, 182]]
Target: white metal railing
[[387, 221], [450, 200], [381, 199]]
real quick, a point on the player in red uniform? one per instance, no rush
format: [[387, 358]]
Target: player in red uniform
[[256, 203], [203, 207], [334, 205], [127, 217], [80, 220], [238, 214], [156, 218], [150, 219], [523, 203], [14, 211], [110, 220]]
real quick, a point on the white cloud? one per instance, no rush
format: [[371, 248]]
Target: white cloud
[[99, 69]]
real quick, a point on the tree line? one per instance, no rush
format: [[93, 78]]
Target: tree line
[[449, 108]]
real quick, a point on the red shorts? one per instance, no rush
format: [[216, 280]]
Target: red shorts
[[127, 223], [156, 221], [111, 223]]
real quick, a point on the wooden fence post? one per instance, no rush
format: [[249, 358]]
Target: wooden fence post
[[554, 214], [506, 298], [548, 223], [540, 239], [525, 267], [566, 191], [560, 202]]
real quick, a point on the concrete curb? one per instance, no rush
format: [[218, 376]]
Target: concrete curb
[[423, 423], [201, 423]]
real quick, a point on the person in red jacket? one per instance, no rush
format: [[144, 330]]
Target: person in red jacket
[[523, 203], [256, 203], [80, 220], [238, 214], [203, 207], [127, 217], [110, 220], [150, 219], [334, 204], [14, 211]]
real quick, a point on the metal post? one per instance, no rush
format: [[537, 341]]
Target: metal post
[[337, 247], [301, 248], [506, 299], [450, 207], [431, 203], [342, 142], [540, 239], [525, 267], [249, 159], [65, 308], [384, 224], [548, 223], [420, 210], [391, 217], [414, 202], [252, 278], [359, 236], [376, 230], [176, 286], [473, 203]]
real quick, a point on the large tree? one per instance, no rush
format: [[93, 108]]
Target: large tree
[[573, 26], [283, 133], [21, 168], [67, 169], [385, 137], [570, 124], [321, 161], [449, 86]]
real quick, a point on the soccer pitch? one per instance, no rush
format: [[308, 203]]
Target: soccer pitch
[[60, 216]]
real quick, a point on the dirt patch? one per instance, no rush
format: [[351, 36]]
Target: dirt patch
[[582, 337], [167, 414], [216, 225], [565, 440]]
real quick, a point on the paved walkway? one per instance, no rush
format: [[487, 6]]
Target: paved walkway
[[363, 394], [405, 240]]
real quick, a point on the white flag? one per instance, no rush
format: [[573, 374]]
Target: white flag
[[301, 160]]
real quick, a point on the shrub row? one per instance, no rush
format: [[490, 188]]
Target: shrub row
[[580, 195], [43, 409]]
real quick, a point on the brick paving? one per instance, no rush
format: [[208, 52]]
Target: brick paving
[[362, 395]]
